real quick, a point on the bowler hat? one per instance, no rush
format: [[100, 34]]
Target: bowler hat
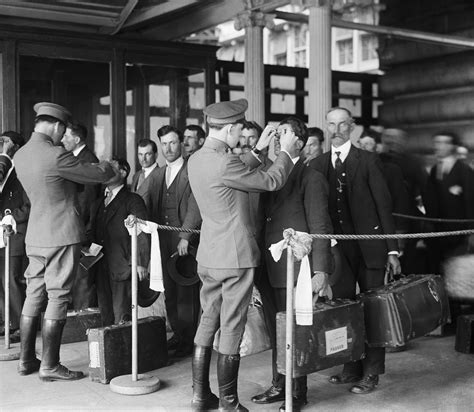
[[53, 110], [226, 112], [183, 269], [146, 296]]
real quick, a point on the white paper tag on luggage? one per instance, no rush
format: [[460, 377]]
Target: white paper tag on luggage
[[336, 340], [94, 356]]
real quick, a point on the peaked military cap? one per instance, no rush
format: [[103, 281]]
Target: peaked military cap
[[226, 112], [53, 110]]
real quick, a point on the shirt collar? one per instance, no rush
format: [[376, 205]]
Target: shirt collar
[[344, 149], [115, 190], [78, 149], [149, 168], [177, 163]]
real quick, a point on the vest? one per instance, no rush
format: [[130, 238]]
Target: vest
[[339, 209], [169, 214]]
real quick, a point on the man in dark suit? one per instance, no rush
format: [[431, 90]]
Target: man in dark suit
[[173, 204], [449, 195], [142, 181], [113, 277], [360, 203], [228, 251], [50, 177], [74, 141], [301, 204], [13, 200]]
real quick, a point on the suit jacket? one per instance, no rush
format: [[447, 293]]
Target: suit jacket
[[221, 183], [302, 204], [369, 201], [146, 189], [452, 197], [13, 197], [186, 205], [49, 175], [116, 240], [90, 193]]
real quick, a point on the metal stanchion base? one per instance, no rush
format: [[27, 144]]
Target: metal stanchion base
[[13, 353], [126, 386]]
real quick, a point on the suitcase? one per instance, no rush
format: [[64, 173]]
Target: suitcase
[[465, 334], [403, 310], [77, 323], [337, 336], [110, 349]]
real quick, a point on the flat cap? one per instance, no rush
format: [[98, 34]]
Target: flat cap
[[53, 110], [226, 112]]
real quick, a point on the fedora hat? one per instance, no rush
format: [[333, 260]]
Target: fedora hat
[[146, 296], [183, 269]]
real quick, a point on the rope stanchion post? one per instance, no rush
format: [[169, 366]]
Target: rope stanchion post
[[134, 384], [290, 276], [10, 352]]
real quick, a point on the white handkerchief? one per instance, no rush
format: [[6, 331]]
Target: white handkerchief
[[7, 220], [304, 295]]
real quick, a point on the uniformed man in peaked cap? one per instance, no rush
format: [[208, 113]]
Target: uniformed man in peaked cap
[[228, 252], [49, 175]]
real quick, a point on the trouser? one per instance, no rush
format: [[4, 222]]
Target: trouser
[[114, 297], [17, 288], [225, 297], [49, 279], [182, 302], [84, 289], [350, 270]]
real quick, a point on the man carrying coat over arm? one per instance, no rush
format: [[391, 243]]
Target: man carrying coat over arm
[[50, 177], [228, 251]]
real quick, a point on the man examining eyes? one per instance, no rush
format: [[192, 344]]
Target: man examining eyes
[[359, 203]]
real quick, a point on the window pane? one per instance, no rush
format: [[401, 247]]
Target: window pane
[[354, 105], [282, 82], [349, 87], [280, 103]]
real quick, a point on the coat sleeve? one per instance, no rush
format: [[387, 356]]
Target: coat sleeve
[[21, 213], [382, 199], [238, 176], [71, 168], [316, 193], [5, 165], [192, 219]]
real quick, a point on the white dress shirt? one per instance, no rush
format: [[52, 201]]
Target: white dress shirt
[[115, 190], [344, 151], [78, 149], [175, 167], [149, 169]]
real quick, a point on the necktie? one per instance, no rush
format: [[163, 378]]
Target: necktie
[[108, 197], [338, 162], [168, 176], [141, 178], [439, 170]]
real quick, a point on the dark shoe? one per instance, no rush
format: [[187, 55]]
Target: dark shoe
[[366, 385], [173, 343], [396, 349], [203, 398], [298, 403], [28, 361], [272, 394], [227, 374], [51, 369], [344, 378], [15, 336]]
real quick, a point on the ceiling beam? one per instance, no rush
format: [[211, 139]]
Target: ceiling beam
[[56, 15], [207, 15], [142, 16], [127, 10]]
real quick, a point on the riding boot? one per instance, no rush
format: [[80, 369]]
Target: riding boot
[[227, 375], [203, 398], [28, 329], [51, 369]]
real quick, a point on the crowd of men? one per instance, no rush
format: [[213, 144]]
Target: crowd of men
[[63, 199]]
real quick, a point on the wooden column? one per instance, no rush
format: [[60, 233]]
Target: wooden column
[[253, 22], [319, 75], [118, 104], [10, 86]]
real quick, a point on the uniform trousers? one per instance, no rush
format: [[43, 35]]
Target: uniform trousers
[[114, 296], [49, 279], [17, 288], [350, 270], [225, 298]]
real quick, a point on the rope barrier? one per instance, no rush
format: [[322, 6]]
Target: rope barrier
[[348, 237]]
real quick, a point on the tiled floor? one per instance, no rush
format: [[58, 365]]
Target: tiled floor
[[430, 376]]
